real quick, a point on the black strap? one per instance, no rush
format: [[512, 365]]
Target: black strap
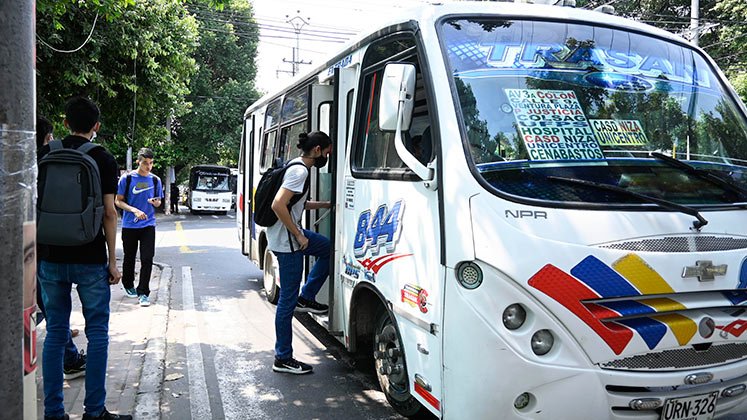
[[127, 188]]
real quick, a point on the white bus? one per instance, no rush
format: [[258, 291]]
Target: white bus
[[556, 231], [209, 189]]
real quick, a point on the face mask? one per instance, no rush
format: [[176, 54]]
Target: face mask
[[320, 161], [93, 136]]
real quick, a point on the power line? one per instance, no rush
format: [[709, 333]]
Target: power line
[[90, 34]]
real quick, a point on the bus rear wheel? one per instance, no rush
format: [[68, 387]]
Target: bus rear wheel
[[391, 371], [271, 272]]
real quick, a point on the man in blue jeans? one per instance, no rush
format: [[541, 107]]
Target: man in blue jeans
[[290, 243], [92, 269]]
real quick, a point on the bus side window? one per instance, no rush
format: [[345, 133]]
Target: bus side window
[[374, 150]]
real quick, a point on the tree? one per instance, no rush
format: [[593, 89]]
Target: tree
[[223, 86], [136, 65]]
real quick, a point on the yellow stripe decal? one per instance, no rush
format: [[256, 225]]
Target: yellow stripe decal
[[682, 327], [663, 304], [641, 275]]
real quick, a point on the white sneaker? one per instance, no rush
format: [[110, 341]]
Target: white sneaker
[[144, 301]]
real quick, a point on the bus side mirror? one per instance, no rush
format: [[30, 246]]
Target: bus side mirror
[[397, 89], [396, 102]]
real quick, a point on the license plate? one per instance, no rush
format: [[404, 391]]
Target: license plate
[[698, 407]]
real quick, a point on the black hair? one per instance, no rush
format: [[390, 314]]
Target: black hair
[[307, 142], [81, 114], [43, 128], [145, 153]]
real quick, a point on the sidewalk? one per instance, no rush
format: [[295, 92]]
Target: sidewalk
[[136, 351]]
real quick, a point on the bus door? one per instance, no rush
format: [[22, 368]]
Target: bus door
[[244, 203], [390, 233], [345, 82], [322, 185]]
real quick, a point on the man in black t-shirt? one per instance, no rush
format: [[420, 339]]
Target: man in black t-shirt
[[92, 267]]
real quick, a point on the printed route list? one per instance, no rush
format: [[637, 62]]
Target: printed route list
[[553, 125]]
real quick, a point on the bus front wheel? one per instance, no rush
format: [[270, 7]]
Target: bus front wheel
[[271, 273], [391, 371]]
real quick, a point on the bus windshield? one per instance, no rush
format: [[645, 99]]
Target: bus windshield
[[546, 100], [206, 180]]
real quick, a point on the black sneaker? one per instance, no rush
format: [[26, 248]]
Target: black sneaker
[[291, 366], [77, 369], [65, 417], [312, 306], [107, 416]]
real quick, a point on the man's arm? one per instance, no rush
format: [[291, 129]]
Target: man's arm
[[280, 207], [110, 231], [314, 205], [120, 202]]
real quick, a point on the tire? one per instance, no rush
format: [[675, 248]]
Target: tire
[[394, 383], [271, 274]]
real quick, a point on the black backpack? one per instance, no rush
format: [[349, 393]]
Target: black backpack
[[267, 188], [70, 206]]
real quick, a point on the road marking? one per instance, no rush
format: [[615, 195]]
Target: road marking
[[198, 395], [215, 217], [231, 216], [182, 240], [242, 394]]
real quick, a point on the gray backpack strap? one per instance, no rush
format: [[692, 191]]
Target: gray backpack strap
[[87, 147], [55, 145]]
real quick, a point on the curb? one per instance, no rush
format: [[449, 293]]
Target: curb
[[148, 400]]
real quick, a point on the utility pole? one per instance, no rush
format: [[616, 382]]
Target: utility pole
[[17, 214], [169, 171], [695, 22], [297, 23]]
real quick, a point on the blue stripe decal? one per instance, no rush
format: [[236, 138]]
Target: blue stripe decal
[[651, 330], [629, 307], [603, 279], [743, 276], [736, 296]]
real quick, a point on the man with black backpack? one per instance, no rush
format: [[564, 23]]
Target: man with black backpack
[[139, 193], [290, 243], [76, 233]]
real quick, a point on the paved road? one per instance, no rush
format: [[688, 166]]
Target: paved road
[[221, 337]]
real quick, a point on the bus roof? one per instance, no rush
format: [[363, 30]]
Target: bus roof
[[427, 15]]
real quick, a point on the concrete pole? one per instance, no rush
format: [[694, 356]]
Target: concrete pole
[[695, 22], [17, 191]]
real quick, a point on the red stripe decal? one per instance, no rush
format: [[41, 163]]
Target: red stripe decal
[[569, 292], [427, 396], [383, 261], [241, 202]]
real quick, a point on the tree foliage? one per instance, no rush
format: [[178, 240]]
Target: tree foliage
[[223, 86], [144, 61], [137, 66]]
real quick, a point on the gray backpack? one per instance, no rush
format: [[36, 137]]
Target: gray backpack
[[70, 206]]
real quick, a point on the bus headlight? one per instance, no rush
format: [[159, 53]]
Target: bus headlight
[[514, 316], [469, 275], [196, 199], [542, 342], [226, 200]]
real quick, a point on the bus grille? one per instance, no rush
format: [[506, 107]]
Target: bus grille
[[681, 359], [681, 244]]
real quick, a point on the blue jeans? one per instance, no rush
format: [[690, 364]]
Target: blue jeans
[[291, 271], [71, 351], [94, 293]]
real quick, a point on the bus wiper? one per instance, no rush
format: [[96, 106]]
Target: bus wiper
[[699, 173], [697, 224]]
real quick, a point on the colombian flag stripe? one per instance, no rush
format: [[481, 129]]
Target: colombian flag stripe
[[682, 327], [629, 307], [651, 330], [641, 275], [569, 292], [602, 279], [663, 304]]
